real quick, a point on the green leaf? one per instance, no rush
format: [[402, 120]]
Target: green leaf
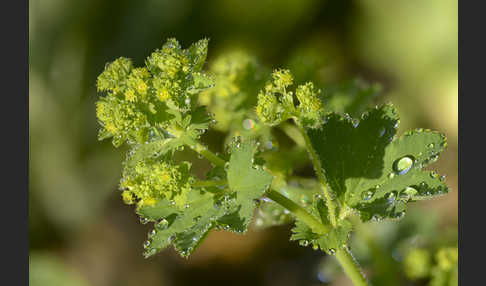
[[372, 171], [329, 242], [247, 182], [153, 149], [183, 229]]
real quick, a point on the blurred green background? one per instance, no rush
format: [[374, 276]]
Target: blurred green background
[[81, 233]]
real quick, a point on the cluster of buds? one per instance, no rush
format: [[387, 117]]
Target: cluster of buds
[[276, 103], [151, 181], [137, 99]]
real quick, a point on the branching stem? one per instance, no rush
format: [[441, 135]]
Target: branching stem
[[343, 255], [298, 211], [213, 158]]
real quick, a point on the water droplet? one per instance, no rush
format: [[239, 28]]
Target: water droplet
[[186, 206], [304, 242], [391, 197], [146, 244], [391, 175], [382, 132], [410, 191], [368, 195], [315, 246], [144, 220], [431, 145], [332, 251], [152, 233], [403, 165], [172, 203], [434, 174], [442, 178], [248, 124], [163, 224]]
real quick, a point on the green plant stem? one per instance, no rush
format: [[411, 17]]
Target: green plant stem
[[344, 257], [298, 211], [351, 267], [293, 133], [213, 158], [320, 175]]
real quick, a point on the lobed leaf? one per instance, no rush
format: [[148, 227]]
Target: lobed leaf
[[372, 171], [247, 182]]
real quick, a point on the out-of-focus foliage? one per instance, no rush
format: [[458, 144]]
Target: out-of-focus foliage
[[48, 269], [75, 211]]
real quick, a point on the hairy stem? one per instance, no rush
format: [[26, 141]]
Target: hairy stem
[[213, 158], [293, 133], [320, 175], [351, 267], [298, 211]]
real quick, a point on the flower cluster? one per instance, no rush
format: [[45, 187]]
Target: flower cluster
[[151, 181], [276, 103], [138, 99]]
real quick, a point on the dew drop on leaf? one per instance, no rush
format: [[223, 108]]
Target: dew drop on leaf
[[434, 174], [146, 244], [410, 191], [391, 197], [163, 224], [382, 132], [368, 195], [403, 165]]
